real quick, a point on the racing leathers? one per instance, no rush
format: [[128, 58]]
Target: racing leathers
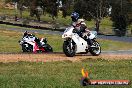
[[32, 37], [82, 30]]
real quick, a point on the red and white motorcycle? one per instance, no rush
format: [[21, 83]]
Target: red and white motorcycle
[[30, 43], [73, 43]]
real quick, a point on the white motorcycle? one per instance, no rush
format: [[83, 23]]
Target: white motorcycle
[[73, 43]]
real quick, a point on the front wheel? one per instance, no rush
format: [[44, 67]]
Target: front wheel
[[27, 47], [95, 50], [69, 48]]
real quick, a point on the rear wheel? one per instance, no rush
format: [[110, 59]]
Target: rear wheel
[[48, 48], [95, 50], [69, 48]]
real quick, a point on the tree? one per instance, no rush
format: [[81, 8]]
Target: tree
[[49, 6], [130, 11], [33, 9], [67, 7], [52, 8], [120, 15], [20, 4], [92, 9]]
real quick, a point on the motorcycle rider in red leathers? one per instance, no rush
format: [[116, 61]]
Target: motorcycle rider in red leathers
[[80, 27]]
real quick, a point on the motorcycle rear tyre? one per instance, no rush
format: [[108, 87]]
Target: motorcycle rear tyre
[[48, 48], [94, 53]]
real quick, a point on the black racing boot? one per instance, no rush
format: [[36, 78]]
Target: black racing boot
[[90, 43]]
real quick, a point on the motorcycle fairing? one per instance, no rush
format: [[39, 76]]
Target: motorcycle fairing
[[80, 43], [68, 32]]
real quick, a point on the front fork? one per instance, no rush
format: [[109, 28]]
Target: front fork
[[71, 44]]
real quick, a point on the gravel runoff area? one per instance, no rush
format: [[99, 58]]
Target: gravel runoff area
[[45, 57]]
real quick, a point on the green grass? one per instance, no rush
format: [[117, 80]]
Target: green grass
[[114, 45], [13, 12], [64, 74], [9, 42]]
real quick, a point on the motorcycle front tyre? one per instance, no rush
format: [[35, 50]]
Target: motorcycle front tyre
[[24, 49], [65, 50]]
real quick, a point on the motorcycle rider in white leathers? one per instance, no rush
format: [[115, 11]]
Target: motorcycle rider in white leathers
[[80, 27], [33, 38]]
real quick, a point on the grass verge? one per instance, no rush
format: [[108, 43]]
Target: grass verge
[[64, 74]]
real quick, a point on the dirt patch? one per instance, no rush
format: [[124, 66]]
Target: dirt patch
[[57, 57]]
